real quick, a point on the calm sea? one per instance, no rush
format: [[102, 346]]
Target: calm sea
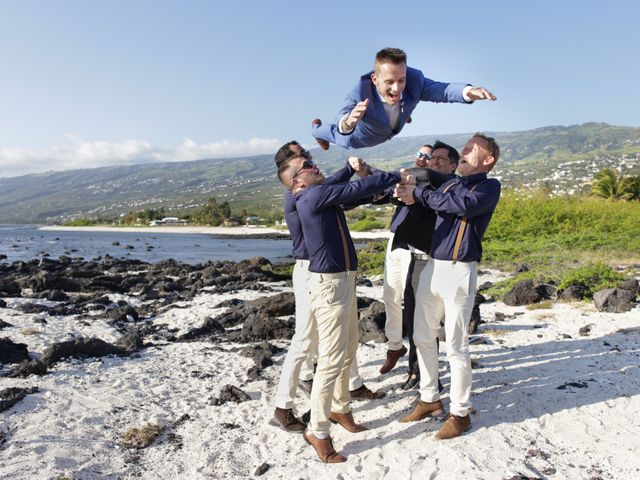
[[25, 242]]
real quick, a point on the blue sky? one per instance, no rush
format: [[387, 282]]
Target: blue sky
[[91, 83]]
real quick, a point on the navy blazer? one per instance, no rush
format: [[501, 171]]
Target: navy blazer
[[374, 128]]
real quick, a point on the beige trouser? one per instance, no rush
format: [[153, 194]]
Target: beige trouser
[[396, 267], [448, 289], [333, 304]]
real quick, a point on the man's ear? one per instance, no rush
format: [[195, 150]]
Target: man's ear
[[374, 77], [489, 161]]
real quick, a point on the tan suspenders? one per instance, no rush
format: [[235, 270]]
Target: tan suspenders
[[461, 228], [345, 245]]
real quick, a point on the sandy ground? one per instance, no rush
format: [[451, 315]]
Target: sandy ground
[[549, 403], [244, 231]]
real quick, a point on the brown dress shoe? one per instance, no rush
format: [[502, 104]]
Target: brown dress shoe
[[454, 427], [324, 448], [346, 421], [288, 420], [424, 410], [392, 358], [363, 393], [316, 122]]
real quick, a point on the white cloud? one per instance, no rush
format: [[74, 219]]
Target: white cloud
[[79, 153]]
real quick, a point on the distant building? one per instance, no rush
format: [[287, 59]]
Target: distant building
[[167, 221]]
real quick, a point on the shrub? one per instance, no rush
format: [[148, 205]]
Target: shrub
[[593, 277]]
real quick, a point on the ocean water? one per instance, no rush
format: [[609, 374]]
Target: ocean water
[[26, 242]]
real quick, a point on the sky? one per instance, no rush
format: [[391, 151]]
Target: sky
[[88, 83]]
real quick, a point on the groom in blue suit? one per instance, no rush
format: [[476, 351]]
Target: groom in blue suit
[[381, 103]]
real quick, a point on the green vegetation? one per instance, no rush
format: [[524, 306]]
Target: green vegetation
[[371, 258], [592, 277], [81, 222], [608, 184]]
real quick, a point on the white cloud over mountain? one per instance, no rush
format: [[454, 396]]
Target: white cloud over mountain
[[78, 153]]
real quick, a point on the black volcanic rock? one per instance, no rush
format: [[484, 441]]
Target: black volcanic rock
[[80, 348], [12, 395], [371, 323], [526, 292], [230, 393], [615, 300], [11, 352], [28, 367]]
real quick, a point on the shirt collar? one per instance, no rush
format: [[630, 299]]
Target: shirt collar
[[475, 178]]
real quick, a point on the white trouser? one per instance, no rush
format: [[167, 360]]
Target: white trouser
[[448, 289], [333, 304], [396, 267], [303, 350]]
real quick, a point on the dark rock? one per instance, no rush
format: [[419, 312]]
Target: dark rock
[[499, 317], [261, 353], [28, 367], [56, 296], [522, 268], [526, 292], [258, 326], [476, 320], [115, 244], [584, 331], [3, 256], [209, 328], [9, 288], [616, 300], [573, 293], [3, 304], [32, 308], [40, 321], [121, 314], [364, 282], [232, 302], [12, 352], [631, 285], [485, 286], [4, 324], [261, 470], [253, 373], [371, 323], [230, 393], [12, 395], [79, 348], [130, 342], [148, 293], [564, 386]]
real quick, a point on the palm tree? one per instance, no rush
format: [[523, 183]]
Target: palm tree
[[630, 188], [606, 184]]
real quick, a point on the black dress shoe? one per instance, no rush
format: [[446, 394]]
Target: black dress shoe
[[412, 380]]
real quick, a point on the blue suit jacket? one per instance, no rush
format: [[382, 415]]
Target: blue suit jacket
[[374, 127]]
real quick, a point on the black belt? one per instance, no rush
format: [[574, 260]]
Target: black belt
[[420, 256]]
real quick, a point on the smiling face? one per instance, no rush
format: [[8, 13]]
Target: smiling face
[[303, 172], [423, 162], [476, 157], [440, 161], [390, 80]]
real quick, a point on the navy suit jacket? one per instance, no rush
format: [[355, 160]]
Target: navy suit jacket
[[374, 128]]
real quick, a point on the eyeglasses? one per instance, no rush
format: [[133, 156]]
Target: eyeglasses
[[423, 156], [306, 165]]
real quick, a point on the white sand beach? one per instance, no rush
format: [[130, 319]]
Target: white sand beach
[[550, 403], [238, 231]]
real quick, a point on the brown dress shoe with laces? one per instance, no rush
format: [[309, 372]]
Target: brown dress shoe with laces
[[316, 122], [392, 358], [324, 448], [454, 427], [424, 410], [363, 393], [288, 420], [346, 421]]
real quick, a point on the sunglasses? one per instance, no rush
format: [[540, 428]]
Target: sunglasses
[[423, 156], [301, 153], [306, 165]]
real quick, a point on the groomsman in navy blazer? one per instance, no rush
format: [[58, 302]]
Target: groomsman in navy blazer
[[382, 102]]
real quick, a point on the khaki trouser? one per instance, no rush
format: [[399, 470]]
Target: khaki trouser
[[448, 289], [333, 304], [396, 267], [303, 350]]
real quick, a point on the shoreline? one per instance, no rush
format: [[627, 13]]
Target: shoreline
[[235, 232]]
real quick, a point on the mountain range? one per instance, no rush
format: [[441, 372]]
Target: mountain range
[[560, 159]]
